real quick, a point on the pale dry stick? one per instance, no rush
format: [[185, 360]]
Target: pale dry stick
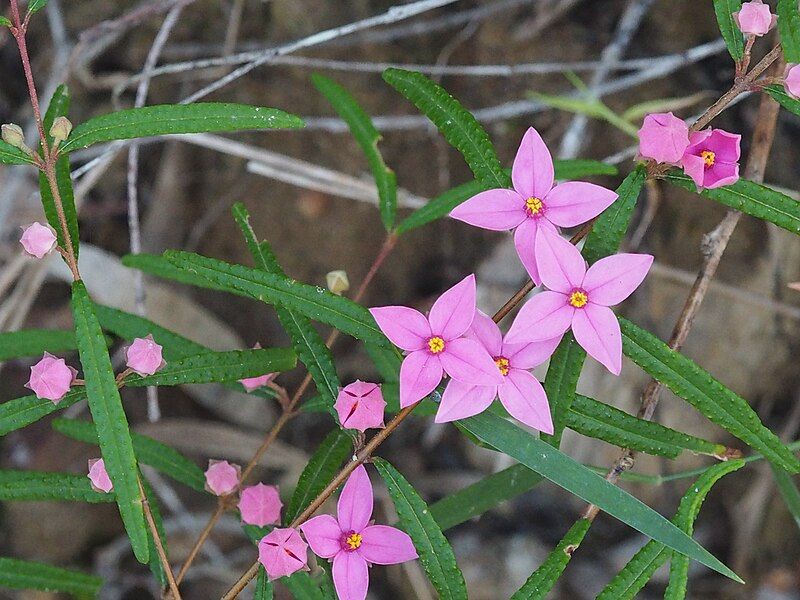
[[157, 542]]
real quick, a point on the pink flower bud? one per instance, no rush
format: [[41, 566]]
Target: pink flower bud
[[360, 405], [792, 81], [282, 552], [38, 240], [144, 356], [260, 505], [51, 378], [222, 477], [663, 138], [98, 475], [755, 18]]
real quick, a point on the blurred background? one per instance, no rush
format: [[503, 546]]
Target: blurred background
[[320, 215]]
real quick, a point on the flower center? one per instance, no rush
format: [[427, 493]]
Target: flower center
[[352, 541], [578, 298], [436, 344], [503, 364], [709, 158], [533, 206]]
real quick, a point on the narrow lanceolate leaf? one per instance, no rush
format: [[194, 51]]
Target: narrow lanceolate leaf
[[587, 485], [367, 137], [9, 155], [778, 92], [434, 550], [302, 586], [5, 22], [789, 27], [155, 264], [36, 5], [601, 421], [750, 198], [109, 417], [789, 492], [457, 124], [40, 486], [167, 119], [21, 412], [319, 472], [728, 28], [29, 575], [719, 404], [560, 383], [148, 451], [577, 168], [35, 342], [263, 589], [544, 578]]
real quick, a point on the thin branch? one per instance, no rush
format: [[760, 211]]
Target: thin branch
[[162, 555]]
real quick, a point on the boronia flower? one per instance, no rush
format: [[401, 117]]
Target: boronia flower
[[260, 505], [51, 378], [360, 405], [282, 552], [534, 203], [38, 240], [712, 158], [792, 81], [435, 345], [521, 393], [754, 18], [663, 138], [351, 543], [144, 356], [98, 476], [579, 298], [222, 477]]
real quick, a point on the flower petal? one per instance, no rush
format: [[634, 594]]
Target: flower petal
[[532, 354], [486, 332], [497, 209], [350, 576], [420, 373], [575, 202], [452, 313], [354, 509], [532, 172], [405, 327], [525, 400], [695, 167], [525, 243], [468, 361], [461, 400], [721, 174], [384, 545], [561, 265], [597, 330], [546, 315], [324, 535], [612, 279]]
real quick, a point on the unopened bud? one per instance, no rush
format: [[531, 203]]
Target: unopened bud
[[13, 136], [61, 129], [338, 282]]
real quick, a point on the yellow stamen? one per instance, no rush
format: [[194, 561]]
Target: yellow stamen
[[353, 541], [578, 299], [503, 364], [534, 205], [709, 157], [436, 345]]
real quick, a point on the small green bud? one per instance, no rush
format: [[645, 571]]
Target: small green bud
[[61, 129], [338, 283], [13, 136]]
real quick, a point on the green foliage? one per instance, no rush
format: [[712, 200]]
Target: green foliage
[[36, 5], [789, 492], [263, 589], [29, 575], [561, 381], [789, 28], [302, 586], [20, 412], [41, 486], [10, 155], [34, 342], [730, 31], [778, 93], [589, 106], [5, 22]]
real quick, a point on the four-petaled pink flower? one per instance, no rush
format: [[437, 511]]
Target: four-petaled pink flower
[[791, 81], [222, 477], [435, 344], [251, 384], [260, 505], [754, 18], [51, 378], [98, 476], [360, 405], [579, 298], [352, 543], [534, 204], [38, 240], [663, 138], [712, 158], [144, 356], [282, 552], [520, 393]]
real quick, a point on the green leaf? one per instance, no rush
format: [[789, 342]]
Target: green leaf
[[542, 579], [263, 589], [789, 492], [587, 485], [789, 28], [20, 412], [719, 404], [108, 415], [728, 28], [597, 420], [319, 472], [34, 342], [302, 586], [778, 93], [5, 22], [9, 155], [367, 137], [561, 381], [434, 550], [36, 5], [160, 267], [156, 568], [41, 486], [577, 168], [386, 360], [588, 106], [29, 575], [148, 451], [457, 124], [169, 119], [58, 107], [750, 198]]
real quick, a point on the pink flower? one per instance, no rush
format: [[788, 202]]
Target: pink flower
[[521, 393], [663, 138], [222, 477], [51, 378], [253, 383], [792, 81], [144, 356], [360, 405], [282, 552], [101, 482], [754, 18], [260, 505], [351, 543], [579, 298], [534, 204], [38, 240], [712, 158], [435, 344]]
